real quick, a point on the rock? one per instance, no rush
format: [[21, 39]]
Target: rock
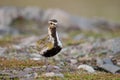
[[96, 25], [73, 52], [66, 21], [116, 59], [59, 75], [32, 13], [7, 15], [86, 24], [113, 45], [73, 61], [28, 70], [6, 30], [87, 68], [2, 51], [71, 68], [80, 50], [52, 74], [31, 75], [52, 68], [111, 68], [35, 56], [108, 65], [25, 42], [107, 48]]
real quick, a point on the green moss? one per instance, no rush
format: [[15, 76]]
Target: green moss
[[6, 40], [68, 42], [74, 33], [14, 63], [6, 77], [9, 39]]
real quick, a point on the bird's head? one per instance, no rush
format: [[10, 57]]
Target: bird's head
[[52, 23], [52, 27]]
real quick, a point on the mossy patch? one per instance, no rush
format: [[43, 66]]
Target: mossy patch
[[14, 63]]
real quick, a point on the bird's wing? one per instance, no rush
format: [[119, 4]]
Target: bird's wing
[[44, 44]]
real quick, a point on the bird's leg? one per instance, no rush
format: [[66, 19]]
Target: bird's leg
[[46, 63]]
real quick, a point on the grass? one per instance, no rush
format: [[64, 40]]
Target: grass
[[14, 63], [9, 40], [75, 75], [83, 76], [5, 77], [110, 34]]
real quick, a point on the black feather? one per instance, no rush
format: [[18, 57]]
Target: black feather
[[52, 52]]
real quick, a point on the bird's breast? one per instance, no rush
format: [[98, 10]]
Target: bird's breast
[[52, 52]]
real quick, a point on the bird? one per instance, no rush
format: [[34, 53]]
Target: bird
[[50, 45]]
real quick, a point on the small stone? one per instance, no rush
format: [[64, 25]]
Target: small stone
[[32, 75], [52, 74], [49, 74], [52, 68], [28, 69], [35, 56], [73, 61], [87, 68], [2, 51]]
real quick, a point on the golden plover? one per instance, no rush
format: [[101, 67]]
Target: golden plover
[[51, 44]]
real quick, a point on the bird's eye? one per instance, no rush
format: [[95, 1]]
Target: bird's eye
[[51, 23]]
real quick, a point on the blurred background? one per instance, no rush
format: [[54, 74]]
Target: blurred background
[[108, 9]]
